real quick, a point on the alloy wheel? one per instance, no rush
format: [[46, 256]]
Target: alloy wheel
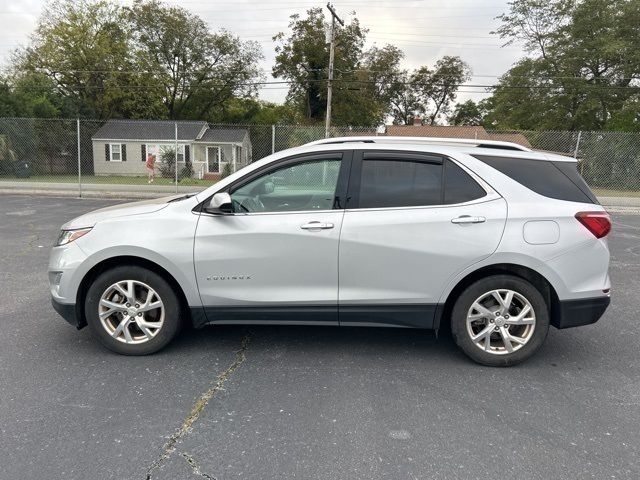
[[131, 311], [501, 321]]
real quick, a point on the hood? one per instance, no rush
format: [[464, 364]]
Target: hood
[[122, 210]]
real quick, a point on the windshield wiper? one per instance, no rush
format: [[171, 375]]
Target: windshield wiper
[[184, 197]]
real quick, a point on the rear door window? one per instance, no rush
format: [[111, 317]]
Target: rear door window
[[400, 183], [398, 179], [559, 180]]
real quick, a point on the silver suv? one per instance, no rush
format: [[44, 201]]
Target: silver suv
[[490, 238]]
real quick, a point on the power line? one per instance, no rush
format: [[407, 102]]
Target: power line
[[355, 82], [344, 71]]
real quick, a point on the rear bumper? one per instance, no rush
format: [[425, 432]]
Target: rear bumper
[[584, 311], [68, 312]]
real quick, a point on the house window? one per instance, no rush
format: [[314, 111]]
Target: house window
[[115, 150], [180, 152], [162, 150]]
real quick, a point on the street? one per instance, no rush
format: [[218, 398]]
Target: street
[[267, 402]]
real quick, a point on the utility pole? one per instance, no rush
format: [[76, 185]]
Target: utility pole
[[334, 17]]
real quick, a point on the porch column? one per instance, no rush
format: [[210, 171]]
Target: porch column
[[233, 156]]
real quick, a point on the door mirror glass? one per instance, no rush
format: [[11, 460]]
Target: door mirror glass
[[220, 204]]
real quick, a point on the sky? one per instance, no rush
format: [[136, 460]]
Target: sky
[[424, 29]]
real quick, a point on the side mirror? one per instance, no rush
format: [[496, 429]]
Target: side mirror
[[220, 204]]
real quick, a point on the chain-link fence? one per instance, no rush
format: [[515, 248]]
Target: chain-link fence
[[146, 156]]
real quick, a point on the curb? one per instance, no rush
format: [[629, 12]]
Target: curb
[[87, 194]]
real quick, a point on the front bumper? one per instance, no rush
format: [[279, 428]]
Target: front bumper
[[575, 313], [68, 312]]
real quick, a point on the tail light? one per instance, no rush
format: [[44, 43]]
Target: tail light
[[597, 223]]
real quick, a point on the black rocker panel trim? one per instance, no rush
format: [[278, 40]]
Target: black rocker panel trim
[[399, 315]]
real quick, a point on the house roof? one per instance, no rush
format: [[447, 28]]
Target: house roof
[[454, 131], [226, 135], [475, 132], [513, 137], [148, 130]]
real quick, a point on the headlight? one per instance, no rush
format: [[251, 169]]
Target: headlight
[[68, 236]]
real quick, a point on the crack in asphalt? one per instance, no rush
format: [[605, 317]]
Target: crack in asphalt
[[197, 409], [194, 466]]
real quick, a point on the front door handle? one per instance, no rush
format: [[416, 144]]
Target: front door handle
[[468, 219], [316, 226]]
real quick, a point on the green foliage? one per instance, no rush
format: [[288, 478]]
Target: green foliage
[[100, 60], [369, 84], [194, 72], [583, 66], [467, 113], [32, 95], [226, 171], [186, 172], [364, 80], [167, 164], [303, 59], [82, 46], [436, 88], [254, 111], [427, 91], [7, 156]]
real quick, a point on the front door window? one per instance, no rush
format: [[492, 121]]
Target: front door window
[[303, 186]]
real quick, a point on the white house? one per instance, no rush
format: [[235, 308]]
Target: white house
[[120, 147]]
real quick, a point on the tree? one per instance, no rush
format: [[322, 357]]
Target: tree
[[302, 58], [405, 103], [467, 113], [364, 80], [583, 69], [194, 71], [144, 61], [427, 91], [436, 88], [254, 111], [83, 46]]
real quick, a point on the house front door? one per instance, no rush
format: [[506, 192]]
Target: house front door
[[213, 159]]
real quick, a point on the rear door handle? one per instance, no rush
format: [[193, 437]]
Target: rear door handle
[[316, 226], [468, 219]]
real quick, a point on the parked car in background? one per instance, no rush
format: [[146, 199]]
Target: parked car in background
[[489, 237]]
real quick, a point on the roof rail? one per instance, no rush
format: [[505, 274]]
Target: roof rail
[[454, 142]]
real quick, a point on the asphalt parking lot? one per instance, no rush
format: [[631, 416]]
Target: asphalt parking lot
[[305, 402]]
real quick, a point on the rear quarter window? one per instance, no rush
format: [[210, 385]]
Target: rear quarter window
[[559, 180], [459, 187]]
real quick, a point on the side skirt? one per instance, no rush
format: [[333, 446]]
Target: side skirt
[[398, 315]]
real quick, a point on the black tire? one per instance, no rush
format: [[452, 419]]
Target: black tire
[[464, 302], [170, 300]]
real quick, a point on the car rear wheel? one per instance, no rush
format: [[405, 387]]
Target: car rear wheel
[[500, 320], [132, 310]]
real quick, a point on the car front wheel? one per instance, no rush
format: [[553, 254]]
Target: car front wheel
[[132, 310], [500, 320]]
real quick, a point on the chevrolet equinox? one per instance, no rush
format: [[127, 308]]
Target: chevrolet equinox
[[492, 239]]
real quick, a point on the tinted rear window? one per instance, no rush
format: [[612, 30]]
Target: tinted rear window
[[559, 180], [570, 169], [394, 183]]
